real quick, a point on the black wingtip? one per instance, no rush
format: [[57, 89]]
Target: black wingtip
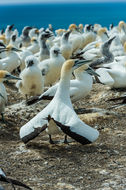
[[32, 100]]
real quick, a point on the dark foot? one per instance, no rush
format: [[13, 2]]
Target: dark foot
[[50, 140]]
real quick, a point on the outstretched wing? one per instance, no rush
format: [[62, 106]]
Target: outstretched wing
[[83, 133]]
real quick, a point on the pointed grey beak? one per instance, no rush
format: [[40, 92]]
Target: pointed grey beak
[[91, 71], [15, 49], [79, 63], [110, 40], [106, 34], [9, 76]]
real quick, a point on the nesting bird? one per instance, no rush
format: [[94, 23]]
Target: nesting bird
[[59, 116], [4, 75], [32, 80], [51, 67]]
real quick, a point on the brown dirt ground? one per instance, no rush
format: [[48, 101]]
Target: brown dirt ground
[[99, 166]]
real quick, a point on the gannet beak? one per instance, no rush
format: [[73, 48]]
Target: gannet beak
[[106, 34], [110, 41], [9, 76], [30, 63], [57, 52], [79, 63], [3, 49], [92, 72], [15, 49], [11, 26]]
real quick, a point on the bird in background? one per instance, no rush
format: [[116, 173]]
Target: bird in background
[[4, 75], [32, 82]]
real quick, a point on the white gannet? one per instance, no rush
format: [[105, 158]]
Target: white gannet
[[25, 36], [32, 82], [75, 38], [8, 33], [122, 32], [34, 47], [12, 60], [80, 87], [115, 75], [65, 45], [59, 116], [51, 67], [44, 50], [33, 33], [4, 75]]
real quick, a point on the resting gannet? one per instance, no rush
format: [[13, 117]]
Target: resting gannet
[[65, 46], [12, 60], [80, 87], [4, 75], [59, 116], [44, 50], [32, 82], [51, 67]]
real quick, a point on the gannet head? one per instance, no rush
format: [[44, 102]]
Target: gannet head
[[73, 27], [30, 61], [60, 32], [121, 25], [11, 48], [81, 26], [34, 40], [86, 68], [5, 75], [3, 38], [55, 51], [13, 37], [73, 64], [10, 27], [102, 31], [45, 35], [66, 34]]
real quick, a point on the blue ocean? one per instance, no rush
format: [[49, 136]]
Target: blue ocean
[[61, 15]]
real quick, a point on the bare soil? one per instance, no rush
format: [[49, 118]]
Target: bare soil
[[42, 166]]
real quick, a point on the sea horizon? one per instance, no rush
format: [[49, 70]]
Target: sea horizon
[[61, 15]]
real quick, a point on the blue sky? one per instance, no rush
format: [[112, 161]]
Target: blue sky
[[52, 1]]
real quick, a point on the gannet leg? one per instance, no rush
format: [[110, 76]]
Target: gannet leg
[[50, 140]]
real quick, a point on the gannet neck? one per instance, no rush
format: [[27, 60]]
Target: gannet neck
[[64, 87]]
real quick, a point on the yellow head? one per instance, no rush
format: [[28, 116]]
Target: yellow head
[[101, 31], [73, 27], [3, 38], [33, 39], [36, 31], [82, 68], [121, 24], [3, 75], [81, 26], [9, 47], [60, 31]]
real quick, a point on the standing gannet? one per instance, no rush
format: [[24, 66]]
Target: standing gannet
[[32, 80], [122, 32], [107, 56], [12, 60], [25, 36], [65, 45], [75, 38], [8, 33], [44, 50], [80, 87], [59, 116], [51, 67], [4, 75]]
